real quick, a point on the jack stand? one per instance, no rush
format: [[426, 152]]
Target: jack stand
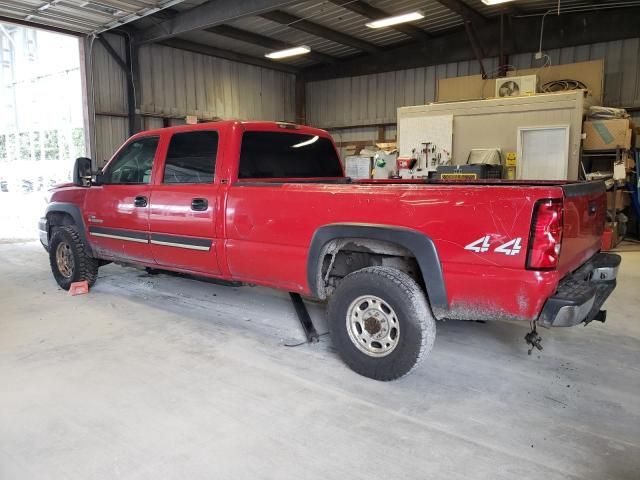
[[532, 338], [305, 319]]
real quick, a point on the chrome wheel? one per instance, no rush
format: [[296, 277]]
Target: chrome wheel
[[373, 326], [64, 259]]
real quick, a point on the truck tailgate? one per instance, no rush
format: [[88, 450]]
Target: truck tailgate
[[585, 210]]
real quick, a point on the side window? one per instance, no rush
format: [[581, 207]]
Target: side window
[[287, 155], [134, 163], [191, 157]]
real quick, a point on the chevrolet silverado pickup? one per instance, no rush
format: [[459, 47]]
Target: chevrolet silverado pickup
[[268, 203]]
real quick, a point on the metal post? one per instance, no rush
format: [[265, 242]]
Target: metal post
[[475, 46], [300, 100], [133, 91]]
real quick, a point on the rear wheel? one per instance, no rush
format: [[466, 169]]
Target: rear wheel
[[69, 259], [380, 322]]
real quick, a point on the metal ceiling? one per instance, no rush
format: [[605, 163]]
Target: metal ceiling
[[438, 20], [441, 17], [84, 16]]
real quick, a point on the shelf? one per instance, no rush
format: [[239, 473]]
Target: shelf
[[607, 151]]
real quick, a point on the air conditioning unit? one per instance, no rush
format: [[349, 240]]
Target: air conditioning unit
[[516, 86]]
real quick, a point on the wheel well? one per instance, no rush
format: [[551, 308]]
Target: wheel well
[[58, 219], [342, 256]]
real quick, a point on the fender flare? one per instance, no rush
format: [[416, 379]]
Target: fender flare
[[416, 242], [75, 213]]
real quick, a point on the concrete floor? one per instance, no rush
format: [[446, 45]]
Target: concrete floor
[[158, 377]]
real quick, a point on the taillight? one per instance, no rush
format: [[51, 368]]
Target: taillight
[[545, 238]]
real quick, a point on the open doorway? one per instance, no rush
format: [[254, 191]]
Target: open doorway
[[41, 122]]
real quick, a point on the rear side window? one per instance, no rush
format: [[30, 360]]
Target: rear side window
[[191, 157], [287, 155]]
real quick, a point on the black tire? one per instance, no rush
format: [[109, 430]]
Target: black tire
[[82, 267], [407, 304]]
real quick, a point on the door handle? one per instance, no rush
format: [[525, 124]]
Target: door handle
[[199, 204], [140, 201]]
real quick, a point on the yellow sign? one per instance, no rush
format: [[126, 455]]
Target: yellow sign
[[459, 176]]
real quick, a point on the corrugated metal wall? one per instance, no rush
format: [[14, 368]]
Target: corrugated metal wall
[[110, 96], [175, 83], [373, 99]]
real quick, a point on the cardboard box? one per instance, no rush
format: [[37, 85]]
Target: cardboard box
[[352, 149], [474, 87], [614, 200], [621, 199], [608, 134], [387, 147], [615, 236]]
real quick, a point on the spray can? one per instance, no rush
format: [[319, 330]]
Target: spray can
[[510, 165]]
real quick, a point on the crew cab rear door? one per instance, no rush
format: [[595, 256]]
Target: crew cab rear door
[[184, 202], [117, 212]]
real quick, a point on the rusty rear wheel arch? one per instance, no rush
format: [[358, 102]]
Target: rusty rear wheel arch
[[410, 245], [340, 257]]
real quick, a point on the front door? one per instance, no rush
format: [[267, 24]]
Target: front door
[[184, 204], [117, 212]]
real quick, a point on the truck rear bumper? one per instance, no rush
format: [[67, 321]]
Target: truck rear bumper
[[580, 295]]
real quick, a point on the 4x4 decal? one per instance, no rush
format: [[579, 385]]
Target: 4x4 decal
[[483, 244]]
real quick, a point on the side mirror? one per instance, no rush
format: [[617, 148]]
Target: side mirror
[[82, 172]]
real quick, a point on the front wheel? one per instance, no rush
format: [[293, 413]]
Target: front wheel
[[380, 322], [69, 259]]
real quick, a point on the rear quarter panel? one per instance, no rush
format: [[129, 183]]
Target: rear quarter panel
[[269, 229]]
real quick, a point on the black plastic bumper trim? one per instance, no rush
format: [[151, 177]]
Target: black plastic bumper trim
[[579, 296]]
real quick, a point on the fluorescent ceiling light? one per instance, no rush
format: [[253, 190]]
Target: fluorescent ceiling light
[[313, 139], [395, 20], [495, 2], [288, 52]]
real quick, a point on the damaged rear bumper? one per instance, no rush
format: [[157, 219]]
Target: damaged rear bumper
[[580, 295]]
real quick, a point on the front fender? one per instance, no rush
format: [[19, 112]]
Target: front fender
[[75, 213]]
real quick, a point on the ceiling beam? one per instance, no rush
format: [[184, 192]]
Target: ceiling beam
[[115, 55], [373, 13], [266, 42], [321, 31], [211, 51], [566, 30], [41, 26], [465, 11], [208, 14], [227, 55]]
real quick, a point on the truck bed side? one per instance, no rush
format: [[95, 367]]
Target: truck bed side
[[269, 222]]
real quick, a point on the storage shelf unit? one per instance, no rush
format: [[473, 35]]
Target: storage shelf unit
[[613, 156]]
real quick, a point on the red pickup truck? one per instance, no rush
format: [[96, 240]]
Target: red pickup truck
[[267, 203]]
